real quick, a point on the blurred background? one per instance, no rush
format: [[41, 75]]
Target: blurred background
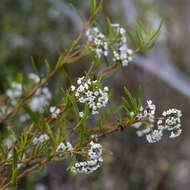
[[43, 28]]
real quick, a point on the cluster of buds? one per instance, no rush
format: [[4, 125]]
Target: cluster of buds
[[88, 91], [170, 121], [40, 99], [65, 146], [34, 77], [41, 139], [121, 51], [149, 115], [14, 92], [98, 42], [37, 102], [94, 162], [54, 111]]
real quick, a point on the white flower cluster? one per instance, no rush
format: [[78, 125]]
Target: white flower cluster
[[54, 111], [149, 114], [40, 99], [9, 141], [42, 138], [98, 40], [122, 52], [99, 44], [63, 147], [14, 92], [20, 165], [94, 162], [34, 77], [154, 136], [36, 103], [3, 110], [89, 92], [170, 121]]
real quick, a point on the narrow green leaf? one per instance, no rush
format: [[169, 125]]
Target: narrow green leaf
[[59, 61], [110, 28], [131, 37], [139, 98], [3, 182], [133, 101], [127, 112], [21, 81], [42, 122], [74, 160], [106, 61], [34, 66], [85, 116], [47, 110], [50, 132], [93, 55], [14, 176], [158, 30], [81, 135], [59, 136], [3, 154], [138, 37], [66, 106], [23, 140], [31, 155], [99, 6], [47, 67], [15, 158], [115, 39], [149, 47], [141, 25], [140, 31], [14, 135], [30, 113], [76, 110], [78, 14], [92, 7], [37, 149], [126, 102]]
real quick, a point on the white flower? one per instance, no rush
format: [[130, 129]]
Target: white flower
[[72, 88], [137, 124], [85, 93], [54, 111], [89, 166], [176, 133], [100, 46], [40, 99], [14, 92], [81, 114], [64, 147], [96, 93], [155, 136], [34, 77], [106, 88], [115, 25], [42, 138], [69, 146], [79, 81], [170, 121], [121, 51]]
